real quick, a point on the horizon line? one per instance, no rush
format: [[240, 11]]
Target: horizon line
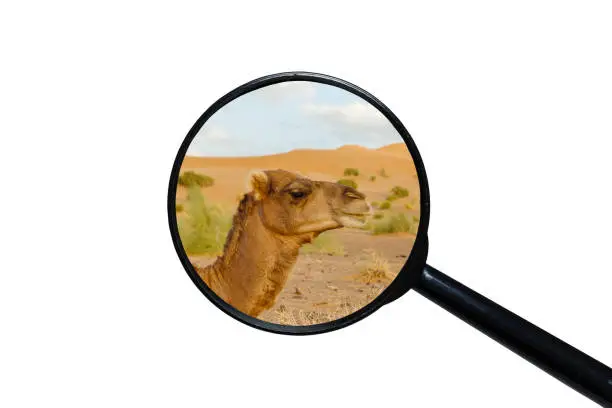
[[350, 145]]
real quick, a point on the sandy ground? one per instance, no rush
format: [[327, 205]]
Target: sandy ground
[[323, 286]]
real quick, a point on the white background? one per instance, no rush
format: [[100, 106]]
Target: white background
[[509, 105]]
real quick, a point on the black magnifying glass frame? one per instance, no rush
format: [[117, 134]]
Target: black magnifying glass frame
[[415, 262], [564, 362]]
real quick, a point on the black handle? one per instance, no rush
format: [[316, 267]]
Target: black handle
[[564, 362]]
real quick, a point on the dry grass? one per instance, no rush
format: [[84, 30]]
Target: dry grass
[[299, 317], [291, 316], [374, 269]]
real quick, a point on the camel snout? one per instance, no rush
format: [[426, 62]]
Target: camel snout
[[355, 213]]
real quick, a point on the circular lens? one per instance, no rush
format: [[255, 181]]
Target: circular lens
[[296, 202]]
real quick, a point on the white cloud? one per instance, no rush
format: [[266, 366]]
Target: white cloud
[[213, 132], [355, 120], [355, 113], [209, 138]]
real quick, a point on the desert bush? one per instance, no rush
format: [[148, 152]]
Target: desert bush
[[385, 205], [348, 182], [325, 243], [375, 204], [372, 178], [400, 192], [378, 216], [374, 269], [391, 224], [179, 208], [191, 178], [204, 227], [383, 173], [350, 171], [409, 207]]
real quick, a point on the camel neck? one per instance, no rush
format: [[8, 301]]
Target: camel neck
[[256, 261], [254, 243]]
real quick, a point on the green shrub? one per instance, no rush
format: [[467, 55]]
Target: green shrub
[[324, 243], [415, 225], [204, 227], [191, 178], [383, 173], [372, 178], [400, 192], [385, 205], [392, 224], [408, 207], [348, 182], [378, 216], [350, 171]]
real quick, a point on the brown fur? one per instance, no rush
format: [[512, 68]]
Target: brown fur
[[269, 227]]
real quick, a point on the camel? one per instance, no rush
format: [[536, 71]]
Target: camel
[[280, 212]]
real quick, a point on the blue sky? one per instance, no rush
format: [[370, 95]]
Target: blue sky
[[292, 115]]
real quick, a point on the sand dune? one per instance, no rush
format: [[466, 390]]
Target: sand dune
[[230, 172], [393, 156], [399, 149]]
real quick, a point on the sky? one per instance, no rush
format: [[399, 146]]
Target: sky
[[292, 115]]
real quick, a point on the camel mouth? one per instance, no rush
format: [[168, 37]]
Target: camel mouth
[[357, 215], [354, 220]]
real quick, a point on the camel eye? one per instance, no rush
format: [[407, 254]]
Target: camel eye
[[297, 194]]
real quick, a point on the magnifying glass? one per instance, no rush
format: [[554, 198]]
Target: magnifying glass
[[298, 204]]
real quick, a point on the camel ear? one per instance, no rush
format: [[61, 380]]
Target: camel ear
[[259, 183]]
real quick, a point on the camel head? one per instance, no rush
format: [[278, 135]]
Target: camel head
[[291, 204]]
